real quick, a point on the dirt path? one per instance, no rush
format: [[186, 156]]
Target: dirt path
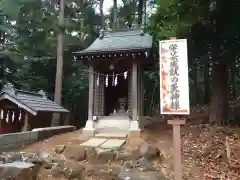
[[49, 144]]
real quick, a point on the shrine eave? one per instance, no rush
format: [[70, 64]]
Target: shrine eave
[[117, 51], [124, 41], [30, 101]]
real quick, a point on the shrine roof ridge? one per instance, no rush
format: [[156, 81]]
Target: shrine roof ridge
[[31, 101], [120, 40]]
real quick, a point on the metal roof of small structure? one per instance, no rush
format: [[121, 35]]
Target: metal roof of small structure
[[121, 40], [30, 101]]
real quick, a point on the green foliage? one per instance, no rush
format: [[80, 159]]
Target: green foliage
[[33, 45], [28, 30]]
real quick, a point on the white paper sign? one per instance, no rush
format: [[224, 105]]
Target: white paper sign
[[174, 87]]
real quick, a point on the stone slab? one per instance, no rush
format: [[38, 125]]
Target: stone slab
[[112, 144], [93, 142], [17, 164], [111, 135]]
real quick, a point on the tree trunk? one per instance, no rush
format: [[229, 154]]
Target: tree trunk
[[219, 101], [101, 14], [206, 83], [232, 84], [82, 21], [114, 24], [195, 84], [59, 67], [140, 11]]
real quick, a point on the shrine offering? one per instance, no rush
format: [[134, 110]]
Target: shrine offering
[[174, 87]]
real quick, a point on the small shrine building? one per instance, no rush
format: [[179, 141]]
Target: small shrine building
[[23, 110], [116, 62]]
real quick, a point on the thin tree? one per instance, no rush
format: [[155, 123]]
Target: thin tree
[[101, 13], [114, 24], [59, 67]]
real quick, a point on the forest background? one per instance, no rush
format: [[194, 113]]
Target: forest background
[[28, 48]]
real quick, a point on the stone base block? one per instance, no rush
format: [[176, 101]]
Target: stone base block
[[134, 133], [88, 132]]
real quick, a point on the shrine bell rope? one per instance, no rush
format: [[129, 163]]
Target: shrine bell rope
[[106, 76]]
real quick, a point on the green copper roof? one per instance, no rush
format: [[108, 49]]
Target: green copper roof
[[124, 40]]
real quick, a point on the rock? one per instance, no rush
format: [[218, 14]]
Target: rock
[[59, 149], [35, 170], [144, 165], [41, 157], [138, 175], [18, 170], [73, 170], [58, 159], [32, 158], [91, 155], [47, 164], [44, 155], [105, 155], [103, 171], [57, 170], [8, 157], [148, 151], [16, 156], [128, 166], [75, 152], [124, 156], [68, 169]]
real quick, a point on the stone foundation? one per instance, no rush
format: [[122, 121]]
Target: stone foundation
[[88, 132], [134, 133]]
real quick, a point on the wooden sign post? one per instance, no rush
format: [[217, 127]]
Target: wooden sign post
[[177, 155], [174, 91]]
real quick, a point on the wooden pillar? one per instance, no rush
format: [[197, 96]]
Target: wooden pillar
[[90, 94], [134, 92], [138, 91], [0, 124], [177, 154], [142, 93], [134, 130], [130, 93], [89, 127], [140, 85], [102, 94], [96, 97], [26, 123]]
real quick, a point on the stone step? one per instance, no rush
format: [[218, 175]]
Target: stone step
[[108, 126], [93, 142], [104, 143], [113, 144], [111, 135]]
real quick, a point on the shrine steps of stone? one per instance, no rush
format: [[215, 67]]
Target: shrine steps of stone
[[112, 126], [111, 135]]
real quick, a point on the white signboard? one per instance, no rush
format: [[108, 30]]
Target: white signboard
[[174, 87]]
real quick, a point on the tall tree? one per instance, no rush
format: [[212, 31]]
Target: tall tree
[[59, 68]]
